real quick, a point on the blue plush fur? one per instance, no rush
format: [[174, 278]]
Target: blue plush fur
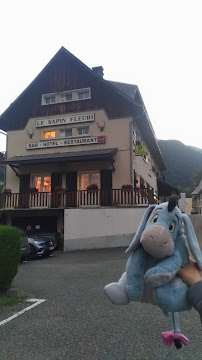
[[158, 251]]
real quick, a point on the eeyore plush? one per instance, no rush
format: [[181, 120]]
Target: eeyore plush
[[159, 250]]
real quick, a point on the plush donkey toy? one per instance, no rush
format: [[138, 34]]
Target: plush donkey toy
[[158, 251]]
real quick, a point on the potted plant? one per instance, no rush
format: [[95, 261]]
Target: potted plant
[[127, 187], [33, 190], [7, 191], [92, 188], [60, 189]]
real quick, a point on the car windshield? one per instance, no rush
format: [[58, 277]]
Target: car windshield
[[40, 237]]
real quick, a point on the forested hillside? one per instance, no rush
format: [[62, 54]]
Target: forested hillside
[[182, 162]]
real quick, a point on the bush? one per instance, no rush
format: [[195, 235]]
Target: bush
[[10, 251]]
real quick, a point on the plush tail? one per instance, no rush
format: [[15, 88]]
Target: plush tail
[[175, 336]]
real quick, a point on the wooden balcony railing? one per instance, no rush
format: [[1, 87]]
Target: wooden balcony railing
[[77, 198]]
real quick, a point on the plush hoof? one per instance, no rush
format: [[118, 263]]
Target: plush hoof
[[116, 294]]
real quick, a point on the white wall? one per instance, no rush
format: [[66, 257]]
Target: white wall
[[100, 227]]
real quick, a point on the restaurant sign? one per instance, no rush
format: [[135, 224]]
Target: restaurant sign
[[62, 120], [66, 142]]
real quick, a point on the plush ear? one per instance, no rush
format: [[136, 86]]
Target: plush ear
[[136, 240], [192, 241]]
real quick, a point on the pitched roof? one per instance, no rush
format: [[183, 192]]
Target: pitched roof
[[129, 92], [129, 89], [64, 51], [166, 189]]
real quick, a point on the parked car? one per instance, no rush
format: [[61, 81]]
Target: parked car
[[25, 247], [41, 245]]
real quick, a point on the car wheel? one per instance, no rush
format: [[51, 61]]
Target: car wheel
[[47, 254], [32, 253]]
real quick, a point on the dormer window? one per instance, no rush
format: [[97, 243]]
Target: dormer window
[[50, 100], [82, 95], [66, 96]]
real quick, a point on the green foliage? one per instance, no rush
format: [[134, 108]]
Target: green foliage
[[1, 187], [10, 249], [2, 173], [186, 190], [10, 300], [182, 162]]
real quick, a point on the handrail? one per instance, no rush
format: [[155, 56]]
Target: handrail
[[77, 198]]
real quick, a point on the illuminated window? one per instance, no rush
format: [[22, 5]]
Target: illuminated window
[[49, 134], [87, 178], [42, 183]]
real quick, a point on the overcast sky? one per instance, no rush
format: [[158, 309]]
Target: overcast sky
[[155, 44]]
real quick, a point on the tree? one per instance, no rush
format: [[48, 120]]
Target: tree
[[186, 190], [2, 173], [10, 250]]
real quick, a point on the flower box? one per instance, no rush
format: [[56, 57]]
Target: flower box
[[60, 189], [7, 191], [91, 191], [33, 190], [92, 188], [127, 187]]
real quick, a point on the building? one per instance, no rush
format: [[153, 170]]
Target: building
[[197, 199], [69, 129]]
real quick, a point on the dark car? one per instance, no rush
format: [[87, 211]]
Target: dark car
[[41, 245], [25, 247]]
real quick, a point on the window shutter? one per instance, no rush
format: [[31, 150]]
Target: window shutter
[[24, 183], [56, 180], [24, 191], [106, 179], [106, 187], [71, 180], [71, 184]]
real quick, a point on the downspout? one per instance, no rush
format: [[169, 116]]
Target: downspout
[[5, 170], [132, 122]]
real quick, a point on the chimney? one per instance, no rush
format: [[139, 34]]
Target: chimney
[[98, 70]]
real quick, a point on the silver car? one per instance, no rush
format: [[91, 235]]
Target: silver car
[[25, 247], [41, 245]]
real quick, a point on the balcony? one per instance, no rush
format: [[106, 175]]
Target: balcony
[[77, 198]]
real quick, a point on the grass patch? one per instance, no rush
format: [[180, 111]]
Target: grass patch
[[11, 298]]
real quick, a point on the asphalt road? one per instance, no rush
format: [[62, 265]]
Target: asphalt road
[[77, 322]]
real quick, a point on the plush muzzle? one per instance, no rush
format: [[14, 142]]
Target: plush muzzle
[[157, 241]]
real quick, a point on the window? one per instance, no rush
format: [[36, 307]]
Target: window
[[87, 178], [50, 100], [83, 131], [84, 94], [68, 97], [49, 134], [42, 183], [68, 132]]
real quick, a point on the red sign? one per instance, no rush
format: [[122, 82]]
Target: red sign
[[101, 139]]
